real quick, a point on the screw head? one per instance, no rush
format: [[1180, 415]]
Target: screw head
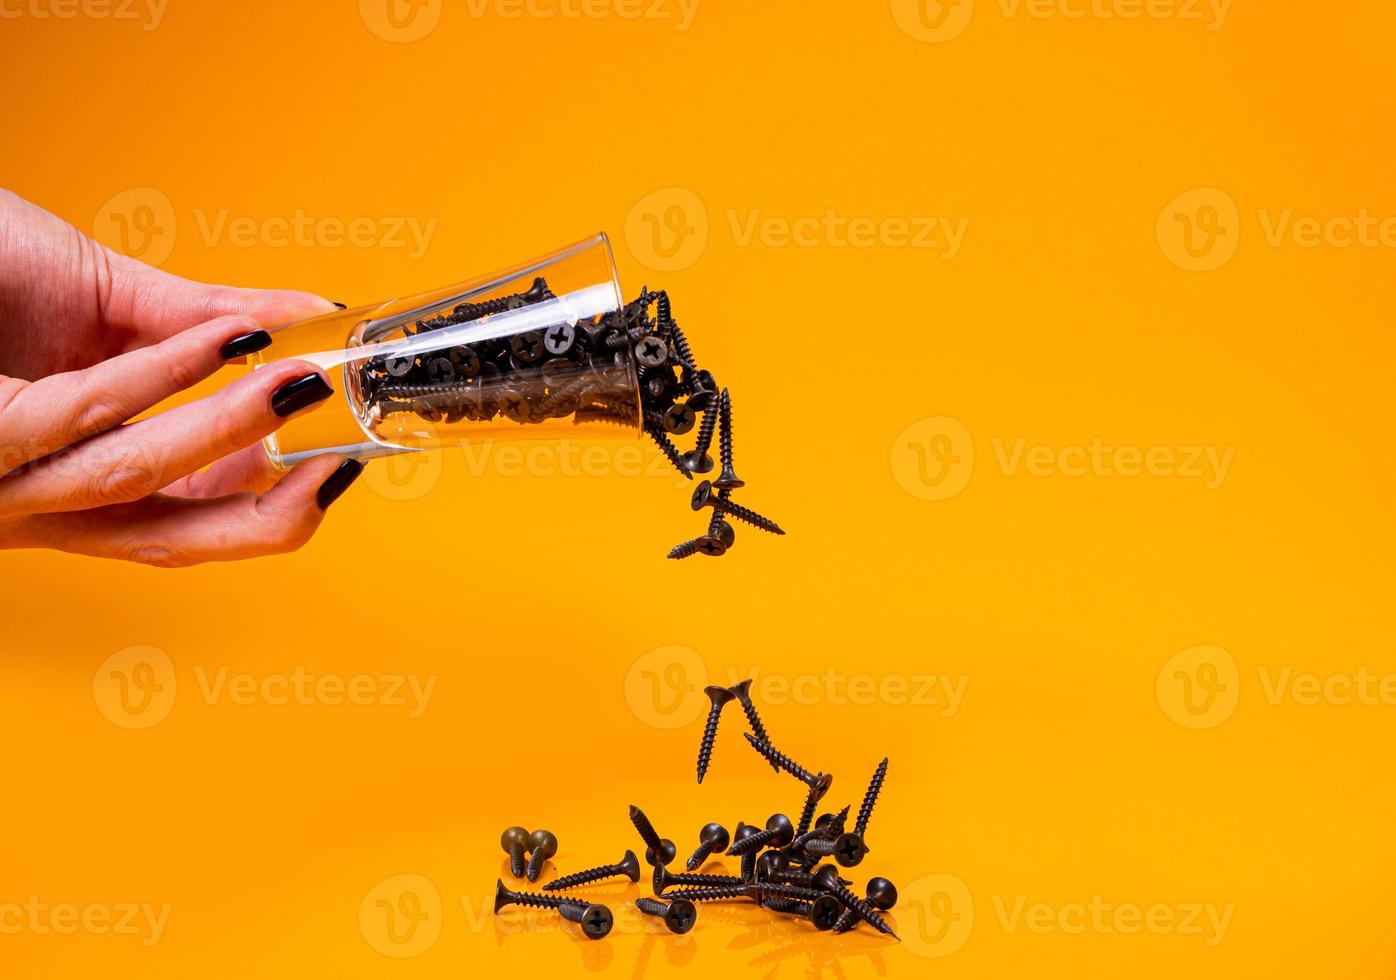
[[440, 369], [718, 696], [821, 787], [596, 921], [882, 894], [667, 850], [698, 464], [680, 916], [652, 352], [560, 339], [466, 361], [703, 496], [726, 534], [527, 346], [742, 690], [770, 864], [826, 877], [512, 836], [630, 866], [542, 840], [715, 832], [711, 546], [849, 850], [785, 830], [502, 895], [825, 912], [399, 364], [680, 419]]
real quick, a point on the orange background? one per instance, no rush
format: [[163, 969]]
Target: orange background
[[1097, 752]]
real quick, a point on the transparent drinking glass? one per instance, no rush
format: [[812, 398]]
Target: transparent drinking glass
[[531, 352]]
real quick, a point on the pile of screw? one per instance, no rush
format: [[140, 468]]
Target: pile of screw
[[582, 371], [781, 869]]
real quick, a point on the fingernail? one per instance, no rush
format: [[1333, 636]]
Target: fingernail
[[301, 393], [333, 488], [341, 306], [244, 344]]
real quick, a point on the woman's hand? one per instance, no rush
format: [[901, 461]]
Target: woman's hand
[[88, 340]]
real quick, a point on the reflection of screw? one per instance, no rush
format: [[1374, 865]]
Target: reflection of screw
[[728, 480], [882, 894], [847, 849], [779, 831], [629, 866], [595, 920], [704, 496], [514, 841], [658, 850], [678, 915], [870, 799], [719, 696], [713, 837], [543, 845]]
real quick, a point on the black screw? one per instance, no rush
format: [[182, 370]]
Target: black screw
[[515, 842], [705, 496], [560, 340], [870, 798], [713, 837], [770, 865], [847, 849], [697, 459], [658, 850], [399, 364], [720, 529], [628, 866], [527, 347], [543, 845], [679, 419], [652, 352], [819, 781], [881, 895], [670, 451], [756, 891], [828, 881], [663, 879], [749, 859], [718, 696], [595, 920], [779, 831], [706, 545], [679, 915], [743, 693], [728, 480]]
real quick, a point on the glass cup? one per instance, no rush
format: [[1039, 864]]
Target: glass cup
[[532, 352]]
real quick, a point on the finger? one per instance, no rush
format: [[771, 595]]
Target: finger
[[148, 305], [174, 532], [246, 471], [43, 416], [134, 461]]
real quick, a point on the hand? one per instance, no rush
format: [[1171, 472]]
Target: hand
[[88, 340]]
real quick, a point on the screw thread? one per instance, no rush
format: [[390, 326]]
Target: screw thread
[[681, 347], [670, 451], [863, 910], [572, 911], [701, 852], [780, 760], [870, 798], [789, 906], [686, 550], [652, 906], [644, 828], [536, 860], [747, 515], [749, 867], [533, 900], [807, 814], [724, 437], [752, 844], [847, 920], [705, 747], [705, 433], [701, 881], [516, 860], [586, 877], [753, 719]]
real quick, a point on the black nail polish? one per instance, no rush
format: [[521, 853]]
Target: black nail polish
[[339, 481], [244, 344], [298, 394], [341, 306]]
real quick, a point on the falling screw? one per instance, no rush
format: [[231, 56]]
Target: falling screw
[[658, 850], [704, 496], [670, 451], [706, 545], [697, 460], [819, 781], [515, 842], [718, 696], [728, 480], [743, 693], [543, 845], [870, 798], [713, 837], [679, 915], [779, 831], [628, 866]]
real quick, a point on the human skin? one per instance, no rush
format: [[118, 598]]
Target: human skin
[[90, 339]]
